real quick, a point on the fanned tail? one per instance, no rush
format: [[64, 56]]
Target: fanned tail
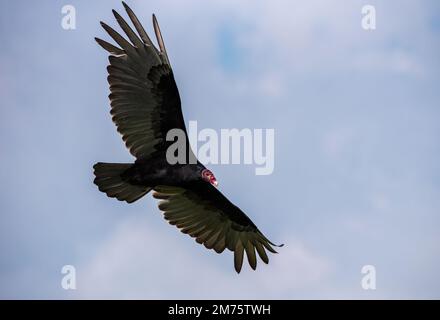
[[109, 180]]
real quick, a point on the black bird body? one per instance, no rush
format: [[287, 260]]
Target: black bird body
[[157, 171], [145, 106]]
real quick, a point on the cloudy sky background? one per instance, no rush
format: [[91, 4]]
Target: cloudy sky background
[[357, 157]]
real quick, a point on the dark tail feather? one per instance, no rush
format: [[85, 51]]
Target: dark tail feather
[[109, 180]]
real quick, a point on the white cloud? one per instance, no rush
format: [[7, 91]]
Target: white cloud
[[397, 61], [138, 261], [336, 141]]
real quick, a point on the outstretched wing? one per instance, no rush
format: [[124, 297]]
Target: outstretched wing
[[204, 213], [144, 98]]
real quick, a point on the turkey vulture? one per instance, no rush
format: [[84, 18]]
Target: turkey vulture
[[145, 105]]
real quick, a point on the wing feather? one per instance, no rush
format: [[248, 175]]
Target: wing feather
[[139, 28], [144, 98], [202, 212], [109, 47], [238, 256], [128, 31]]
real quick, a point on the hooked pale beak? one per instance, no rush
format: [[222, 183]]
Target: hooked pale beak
[[215, 183]]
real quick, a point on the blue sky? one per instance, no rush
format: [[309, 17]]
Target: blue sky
[[356, 179]]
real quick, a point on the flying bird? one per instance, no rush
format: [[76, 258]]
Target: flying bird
[[145, 105]]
